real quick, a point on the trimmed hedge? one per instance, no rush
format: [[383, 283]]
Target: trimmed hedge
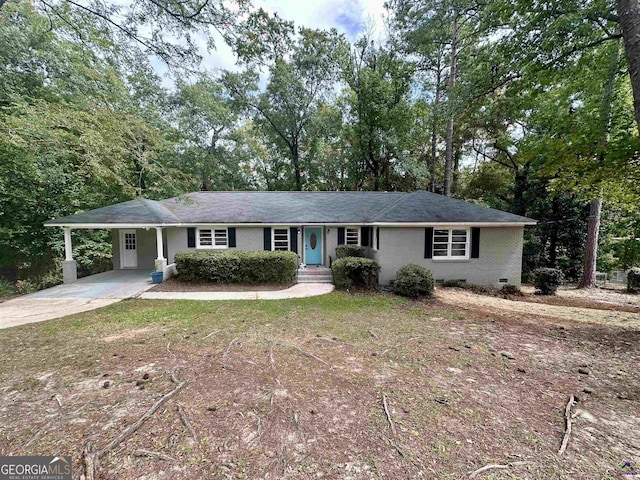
[[633, 280], [413, 281], [344, 251], [547, 280], [237, 267], [350, 272]]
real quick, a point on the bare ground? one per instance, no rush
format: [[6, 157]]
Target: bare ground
[[294, 389]]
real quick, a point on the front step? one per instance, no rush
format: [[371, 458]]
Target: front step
[[315, 275]]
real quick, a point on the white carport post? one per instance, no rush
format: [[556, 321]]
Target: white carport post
[[69, 266], [161, 262]]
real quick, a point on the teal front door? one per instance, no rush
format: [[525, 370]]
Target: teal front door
[[313, 245]]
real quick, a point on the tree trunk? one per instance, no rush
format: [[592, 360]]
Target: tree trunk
[[434, 134], [591, 254], [629, 13], [448, 157], [295, 152]]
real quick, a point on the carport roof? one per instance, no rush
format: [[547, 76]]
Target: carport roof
[[254, 207]]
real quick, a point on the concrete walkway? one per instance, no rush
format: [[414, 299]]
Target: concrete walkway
[[87, 293], [299, 290]]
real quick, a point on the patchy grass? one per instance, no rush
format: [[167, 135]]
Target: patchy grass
[[293, 389]]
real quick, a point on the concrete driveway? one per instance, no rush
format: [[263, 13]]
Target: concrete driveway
[[87, 293]]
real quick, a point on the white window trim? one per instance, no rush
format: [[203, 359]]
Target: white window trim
[[359, 235], [273, 237], [213, 228], [467, 245]]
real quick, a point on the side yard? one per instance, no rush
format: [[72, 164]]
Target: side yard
[[297, 389]]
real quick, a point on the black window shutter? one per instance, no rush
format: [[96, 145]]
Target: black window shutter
[[267, 238], [293, 239], [428, 242], [365, 236], [378, 238], [191, 238], [475, 242], [340, 235], [231, 236]]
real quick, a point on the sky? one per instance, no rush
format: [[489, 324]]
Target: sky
[[350, 17]]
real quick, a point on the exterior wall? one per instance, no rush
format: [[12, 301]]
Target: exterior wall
[[247, 238], [330, 244], [146, 248], [500, 256]]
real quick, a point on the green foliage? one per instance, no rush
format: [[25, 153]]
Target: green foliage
[[354, 272], [511, 291], [633, 280], [349, 251], [413, 281], [25, 286], [51, 279], [7, 288], [547, 280], [237, 267]]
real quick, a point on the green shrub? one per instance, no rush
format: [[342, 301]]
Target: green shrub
[[547, 280], [413, 281], [51, 279], [633, 280], [343, 251], [25, 286], [237, 267], [350, 272], [6, 288], [455, 284], [511, 291]]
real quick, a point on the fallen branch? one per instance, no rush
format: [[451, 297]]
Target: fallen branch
[[186, 422], [331, 340], [212, 333], [388, 414], [567, 433], [169, 350], [373, 334], [494, 466], [235, 340], [310, 355], [90, 459], [134, 427], [150, 454], [57, 397], [271, 359]]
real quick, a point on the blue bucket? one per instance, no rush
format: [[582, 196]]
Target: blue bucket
[[156, 277]]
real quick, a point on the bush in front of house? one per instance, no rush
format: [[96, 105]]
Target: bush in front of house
[[633, 280], [237, 267], [344, 251], [455, 284], [413, 281], [354, 272], [547, 280], [509, 290]]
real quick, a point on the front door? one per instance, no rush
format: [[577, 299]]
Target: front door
[[313, 245], [128, 249]]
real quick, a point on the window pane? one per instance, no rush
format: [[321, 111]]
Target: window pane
[[459, 238], [460, 232], [352, 236], [220, 238], [206, 238], [458, 252], [281, 239]]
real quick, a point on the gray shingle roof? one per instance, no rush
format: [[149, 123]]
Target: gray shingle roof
[[294, 208]]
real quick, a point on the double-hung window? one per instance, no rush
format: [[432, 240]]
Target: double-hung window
[[451, 243], [213, 238], [280, 239], [352, 235]]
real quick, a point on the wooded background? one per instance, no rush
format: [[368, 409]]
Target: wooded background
[[523, 106]]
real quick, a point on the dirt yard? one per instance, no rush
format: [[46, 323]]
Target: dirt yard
[[297, 389]]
